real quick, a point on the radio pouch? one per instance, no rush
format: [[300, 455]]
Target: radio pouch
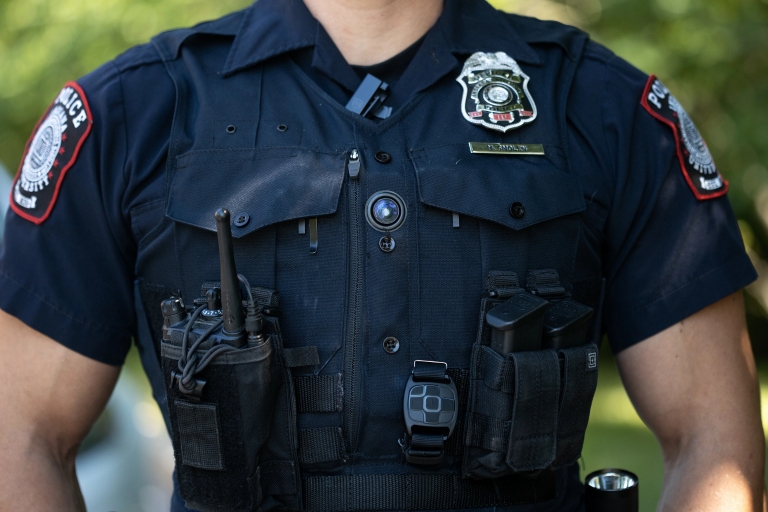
[[219, 431]]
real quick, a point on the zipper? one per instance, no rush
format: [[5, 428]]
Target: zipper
[[355, 310]]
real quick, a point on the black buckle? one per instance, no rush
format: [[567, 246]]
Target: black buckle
[[430, 408], [195, 394]]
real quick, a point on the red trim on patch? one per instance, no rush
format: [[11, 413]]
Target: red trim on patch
[[679, 145], [19, 211]]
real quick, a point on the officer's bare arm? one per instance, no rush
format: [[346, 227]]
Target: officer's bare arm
[[695, 386], [50, 397]]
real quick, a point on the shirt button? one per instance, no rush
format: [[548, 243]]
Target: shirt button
[[383, 157], [517, 210], [391, 345], [241, 219], [387, 244]]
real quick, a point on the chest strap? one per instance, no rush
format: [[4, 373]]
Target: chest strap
[[422, 492]]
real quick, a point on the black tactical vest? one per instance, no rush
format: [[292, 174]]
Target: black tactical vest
[[315, 421]]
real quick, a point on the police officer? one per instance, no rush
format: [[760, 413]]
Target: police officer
[[392, 168]]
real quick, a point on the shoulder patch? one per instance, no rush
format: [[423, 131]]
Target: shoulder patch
[[51, 152], [696, 161]]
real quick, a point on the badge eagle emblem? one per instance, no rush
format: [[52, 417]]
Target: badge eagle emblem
[[495, 92]]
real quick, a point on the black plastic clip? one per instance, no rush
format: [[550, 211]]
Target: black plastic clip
[[195, 394]]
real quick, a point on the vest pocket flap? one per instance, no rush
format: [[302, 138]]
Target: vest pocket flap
[[259, 187], [513, 190]]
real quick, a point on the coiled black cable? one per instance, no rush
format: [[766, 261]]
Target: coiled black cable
[[188, 363]]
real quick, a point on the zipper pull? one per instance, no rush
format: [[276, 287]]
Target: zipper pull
[[354, 164]]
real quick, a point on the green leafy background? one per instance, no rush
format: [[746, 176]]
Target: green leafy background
[[712, 54]]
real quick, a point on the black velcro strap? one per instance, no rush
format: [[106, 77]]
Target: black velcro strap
[[422, 492], [320, 445], [579, 384], [534, 421], [318, 393], [199, 435], [544, 283], [301, 356], [502, 283]]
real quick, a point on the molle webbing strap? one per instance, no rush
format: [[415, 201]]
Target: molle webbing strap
[[320, 445], [502, 284], [422, 492], [318, 393], [544, 283]]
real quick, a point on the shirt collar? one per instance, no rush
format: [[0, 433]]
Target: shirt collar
[[273, 27]]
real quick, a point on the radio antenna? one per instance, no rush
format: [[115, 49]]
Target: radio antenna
[[233, 330]]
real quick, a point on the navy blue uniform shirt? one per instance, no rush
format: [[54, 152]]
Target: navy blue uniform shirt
[[664, 251]]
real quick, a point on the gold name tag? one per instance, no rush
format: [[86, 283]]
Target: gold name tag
[[486, 148]]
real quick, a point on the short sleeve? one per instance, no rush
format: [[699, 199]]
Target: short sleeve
[[69, 273], [666, 253]]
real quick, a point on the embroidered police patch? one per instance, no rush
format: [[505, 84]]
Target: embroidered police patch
[[50, 153], [696, 161], [495, 92]]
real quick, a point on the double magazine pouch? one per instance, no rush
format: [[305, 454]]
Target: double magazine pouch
[[219, 430], [527, 410]]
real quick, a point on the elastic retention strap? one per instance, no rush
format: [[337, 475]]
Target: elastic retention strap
[[422, 492], [320, 445], [544, 283], [318, 393]]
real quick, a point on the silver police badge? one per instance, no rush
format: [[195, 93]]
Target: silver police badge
[[495, 92]]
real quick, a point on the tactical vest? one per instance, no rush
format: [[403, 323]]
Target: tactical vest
[[314, 421]]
